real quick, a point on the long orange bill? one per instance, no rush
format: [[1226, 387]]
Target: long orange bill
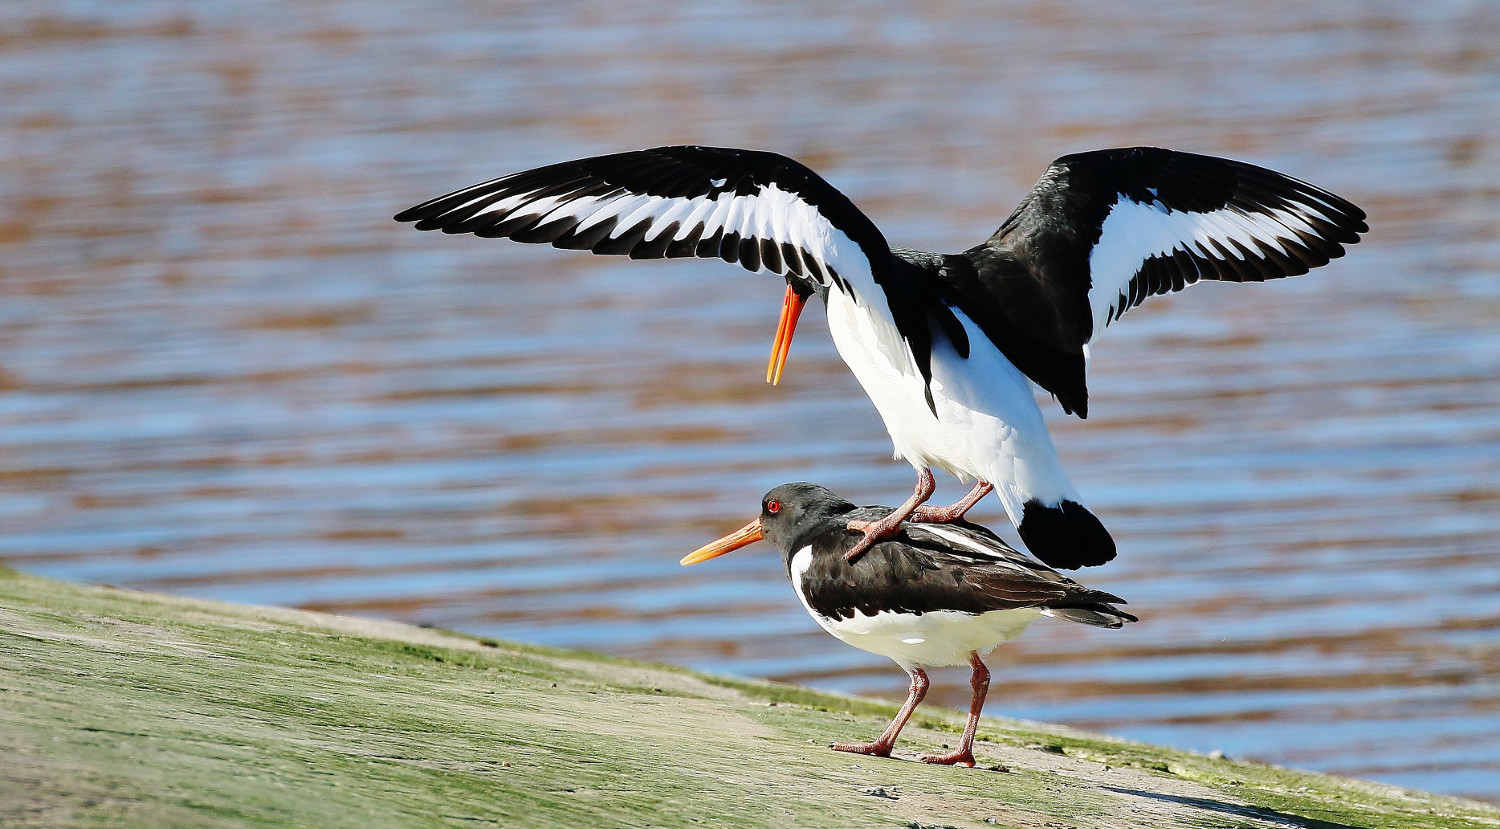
[[791, 309], [744, 536]]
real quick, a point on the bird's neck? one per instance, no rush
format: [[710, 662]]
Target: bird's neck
[[809, 531]]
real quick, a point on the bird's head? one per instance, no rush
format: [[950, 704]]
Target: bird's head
[[789, 514]]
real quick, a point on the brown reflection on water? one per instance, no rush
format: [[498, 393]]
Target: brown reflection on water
[[225, 372]]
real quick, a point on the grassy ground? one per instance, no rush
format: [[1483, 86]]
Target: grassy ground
[[123, 708]]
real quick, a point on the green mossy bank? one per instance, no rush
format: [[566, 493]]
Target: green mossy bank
[[124, 708]]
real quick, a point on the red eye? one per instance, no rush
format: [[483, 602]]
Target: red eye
[[773, 506]]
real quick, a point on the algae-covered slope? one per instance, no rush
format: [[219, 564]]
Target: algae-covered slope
[[125, 708]]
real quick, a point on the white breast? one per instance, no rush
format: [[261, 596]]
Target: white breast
[[988, 424], [942, 637]]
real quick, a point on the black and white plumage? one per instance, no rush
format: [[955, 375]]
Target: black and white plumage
[[946, 345], [930, 596]]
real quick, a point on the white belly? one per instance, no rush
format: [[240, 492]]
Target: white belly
[[988, 424], [942, 637]]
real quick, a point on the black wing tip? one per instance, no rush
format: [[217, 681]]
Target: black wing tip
[[1355, 223], [1101, 615], [1345, 220], [1066, 536], [411, 214], [429, 215]]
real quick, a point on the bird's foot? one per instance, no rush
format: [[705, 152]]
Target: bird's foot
[[953, 512], [875, 532], [962, 757], [937, 515], [874, 749]]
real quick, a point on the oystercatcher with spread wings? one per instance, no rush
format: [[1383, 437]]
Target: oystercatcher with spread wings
[[947, 346], [927, 597]]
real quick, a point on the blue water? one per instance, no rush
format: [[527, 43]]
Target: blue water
[[225, 372]]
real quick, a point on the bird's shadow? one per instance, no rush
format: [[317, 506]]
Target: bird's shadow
[[1236, 809]]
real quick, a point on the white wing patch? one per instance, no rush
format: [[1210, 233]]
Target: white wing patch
[[958, 539], [1134, 232]]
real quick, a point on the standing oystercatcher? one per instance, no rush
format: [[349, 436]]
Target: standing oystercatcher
[[929, 596], [947, 346]]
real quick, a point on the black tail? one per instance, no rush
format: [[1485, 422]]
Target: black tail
[[1066, 536]]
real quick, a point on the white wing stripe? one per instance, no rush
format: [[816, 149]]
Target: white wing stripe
[[734, 217], [1231, 230], [958, 539], [629, 213], [1220, 221], [715, 221], [667, 217], [575, 207], [1267, 227], [779, 229], [653, 210], [1298, 220], [764, 223], [487, 187], [1317, 202], [1263, 229], [1274, 229], [702, 209], [1134, 232], [609, 208], [500, 206], [748, 221], [549, 204], [601, 213]]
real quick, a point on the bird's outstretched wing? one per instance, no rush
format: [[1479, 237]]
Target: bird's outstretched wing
[[762, 210], [1103, 230]]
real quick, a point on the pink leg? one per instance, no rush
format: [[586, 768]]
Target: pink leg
[[964, 754], [947, 515], [876, 531], [882, 746]]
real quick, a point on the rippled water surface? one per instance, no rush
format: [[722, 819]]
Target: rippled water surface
[[225, 372]]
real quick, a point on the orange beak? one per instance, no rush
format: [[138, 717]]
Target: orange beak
[[791, 309], [746, 535]]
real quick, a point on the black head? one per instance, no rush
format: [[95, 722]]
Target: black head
[[805, 288], [789, 514]]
